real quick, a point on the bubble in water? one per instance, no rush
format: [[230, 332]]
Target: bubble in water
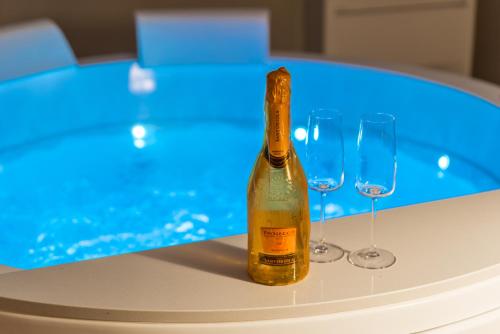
[[184, 227]]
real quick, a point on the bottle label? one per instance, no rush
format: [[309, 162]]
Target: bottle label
[[279, 127], [277, 260], [278, 245]]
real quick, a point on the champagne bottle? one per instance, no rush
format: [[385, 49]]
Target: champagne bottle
[[277, 205]]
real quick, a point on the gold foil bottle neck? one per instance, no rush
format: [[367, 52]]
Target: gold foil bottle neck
[[278, 86], [278, 116]]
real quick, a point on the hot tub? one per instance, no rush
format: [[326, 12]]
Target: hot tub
[[111, 158]]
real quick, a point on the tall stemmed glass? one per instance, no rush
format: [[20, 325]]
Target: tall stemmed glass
[[376, 178], [325, 171]]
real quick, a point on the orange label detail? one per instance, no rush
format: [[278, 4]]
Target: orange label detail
[[279, 241], [279, 127]]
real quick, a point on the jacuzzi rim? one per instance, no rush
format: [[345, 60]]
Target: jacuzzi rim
[[486, 91]]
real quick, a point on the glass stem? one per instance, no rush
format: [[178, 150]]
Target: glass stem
[[372, 226], [322, 237]]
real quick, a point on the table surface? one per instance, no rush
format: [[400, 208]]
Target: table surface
[[440, 247]]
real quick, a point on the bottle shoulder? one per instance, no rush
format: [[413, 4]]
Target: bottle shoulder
[[287, 183], [292, 168]]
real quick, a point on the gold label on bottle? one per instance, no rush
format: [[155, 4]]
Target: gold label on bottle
[[277, 260], [279, 127], [278, 245]]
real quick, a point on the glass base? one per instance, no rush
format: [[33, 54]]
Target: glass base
[[372, 258], [324, 253]]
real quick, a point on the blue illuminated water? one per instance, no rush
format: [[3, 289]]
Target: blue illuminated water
[[112, 190], [107, 159]]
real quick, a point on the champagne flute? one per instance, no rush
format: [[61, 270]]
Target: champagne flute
[[376, 178], [325, 171]]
